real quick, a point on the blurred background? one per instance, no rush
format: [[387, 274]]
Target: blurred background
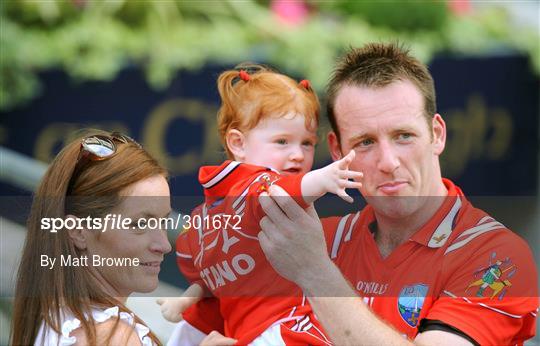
[[148, 69]]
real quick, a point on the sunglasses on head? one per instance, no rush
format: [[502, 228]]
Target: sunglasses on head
[[98, 148], [101, 147]]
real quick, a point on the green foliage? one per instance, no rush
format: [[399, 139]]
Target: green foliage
[[94, 40], [399, 15]]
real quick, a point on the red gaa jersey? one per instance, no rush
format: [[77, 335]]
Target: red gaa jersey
[[222, 250], [462, 269]]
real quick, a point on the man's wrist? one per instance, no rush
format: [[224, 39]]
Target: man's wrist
[[318, 278]]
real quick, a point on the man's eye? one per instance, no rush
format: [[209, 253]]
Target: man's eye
[[405, 136], [281, 141], [364, 143]]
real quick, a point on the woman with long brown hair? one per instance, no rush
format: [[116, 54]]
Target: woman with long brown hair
[[79, 296]]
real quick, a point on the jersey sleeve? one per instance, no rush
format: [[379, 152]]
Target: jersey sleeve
[[184, 257], [489, 290], [204, 315], [291, 184]]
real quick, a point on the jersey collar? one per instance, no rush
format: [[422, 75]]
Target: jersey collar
[[217, 180], [437, 230]]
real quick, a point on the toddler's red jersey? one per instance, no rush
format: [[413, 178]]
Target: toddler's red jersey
[[223, 251]]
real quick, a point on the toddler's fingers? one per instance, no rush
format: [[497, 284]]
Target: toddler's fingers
[[346, 160], [351, 175], [347, 184], [175, 318], [346, 197]]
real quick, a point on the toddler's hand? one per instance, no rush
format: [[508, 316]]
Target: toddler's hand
[[335, 177], [172, 308]]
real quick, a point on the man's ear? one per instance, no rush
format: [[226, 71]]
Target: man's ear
[[334, 146], [439, 134], [235, 141], [77, 235]]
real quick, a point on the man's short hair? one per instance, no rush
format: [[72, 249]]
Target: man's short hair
[[377, 65]]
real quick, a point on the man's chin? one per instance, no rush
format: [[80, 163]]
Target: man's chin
[[395, 206]]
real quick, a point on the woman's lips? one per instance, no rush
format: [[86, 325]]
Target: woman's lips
[[153, 267]]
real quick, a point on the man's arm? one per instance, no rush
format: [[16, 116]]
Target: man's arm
[[293, 242], [349, 321]]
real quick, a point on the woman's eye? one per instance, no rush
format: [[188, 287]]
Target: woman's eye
[[308, 144], [281, 141]]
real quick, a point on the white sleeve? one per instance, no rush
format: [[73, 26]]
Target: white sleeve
[[184, 334]]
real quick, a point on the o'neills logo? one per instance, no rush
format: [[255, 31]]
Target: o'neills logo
[[369, 288]]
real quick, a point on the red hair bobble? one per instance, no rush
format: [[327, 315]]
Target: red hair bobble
[[305, 83], [244, 75]]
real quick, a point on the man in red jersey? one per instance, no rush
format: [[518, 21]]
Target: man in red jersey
[[431, 268]]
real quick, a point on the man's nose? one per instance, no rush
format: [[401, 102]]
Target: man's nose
[[388, 160]]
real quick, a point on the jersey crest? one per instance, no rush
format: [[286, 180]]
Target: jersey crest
[[410, 302]]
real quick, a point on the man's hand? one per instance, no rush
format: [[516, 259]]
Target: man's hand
[[292, 238]]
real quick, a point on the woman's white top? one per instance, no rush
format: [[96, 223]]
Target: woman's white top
[[47, 336]]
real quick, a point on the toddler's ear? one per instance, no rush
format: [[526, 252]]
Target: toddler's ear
[[236, 144]]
